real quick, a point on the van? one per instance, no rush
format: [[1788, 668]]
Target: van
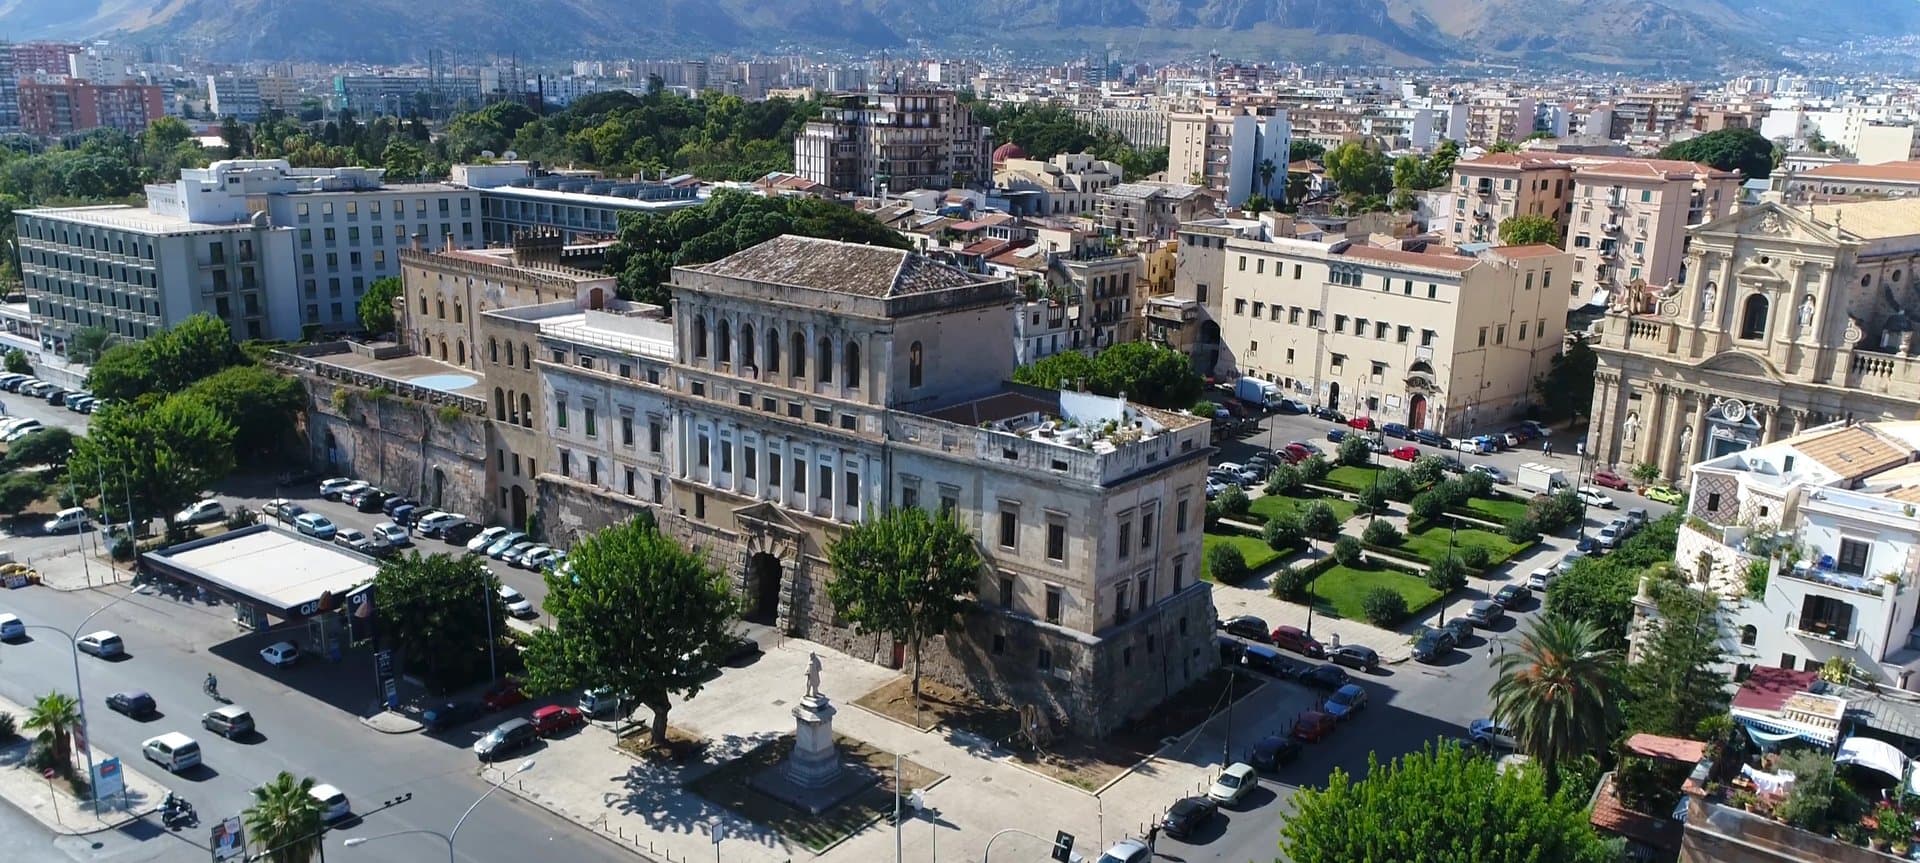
[[71, 518], [333, 802], [315, 525], [173, 751], [229, 721]]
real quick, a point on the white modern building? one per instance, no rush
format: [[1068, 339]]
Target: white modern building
[[1812, 542], [239, 98], [1231, 155], [513, 199]]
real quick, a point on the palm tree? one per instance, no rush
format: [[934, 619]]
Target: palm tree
[[55, 716], [1266, 169], [284, 819], [1555, 693]]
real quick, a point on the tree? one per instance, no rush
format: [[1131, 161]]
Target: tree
[[1447, 574], [1148, 373], [435, 610], [1566, 390], [50, 446], [1256, 204], [1285, 480], [1435, 805], [906, 572], [376, 305], [1674, 685], [1428, 505], [1068, 370], [1440, 164], [1300, 149], [165, 363], [636, 613], [89, 343], [1557, 691], [20, 489], [1319, 520], [1353, 451], [1283, 532], [260, 403], [1504, 147], [1359, 169], [1233, 501], [1226, 564], [55, 716], [1382, 533], [1264, 172], [1527, 230], [1427, 470], [1646, 472], [1347, 551], [402, 160], [17, 362], [1744, 150], [161, 455], [1384, 606], [284, 820]]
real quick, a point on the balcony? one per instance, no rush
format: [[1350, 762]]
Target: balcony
[[1484, 188], [1836, 580], [1837, 632], [1611, 228]]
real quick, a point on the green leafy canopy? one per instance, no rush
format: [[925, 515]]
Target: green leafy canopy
[[905, 572]]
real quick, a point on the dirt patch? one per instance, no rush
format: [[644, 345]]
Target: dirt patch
[[682, 746], [940, 706], [730, 785]]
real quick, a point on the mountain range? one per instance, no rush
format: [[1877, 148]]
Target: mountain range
[[1674, 36]]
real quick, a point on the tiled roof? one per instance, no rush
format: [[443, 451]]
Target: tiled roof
[[1658, 169], [1873, 220], [1895, 172], [1667, 748], [1768, 688], [844, 268], [1851, 452], [1613, 816]]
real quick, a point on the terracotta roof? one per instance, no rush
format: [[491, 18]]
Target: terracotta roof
[[1896, 172], [985, 247], [1533, 250], [1667, 748], [1851, 452], [1613, 816], [841, 268], [1768, 688], [1452, 263], [1872, 220]]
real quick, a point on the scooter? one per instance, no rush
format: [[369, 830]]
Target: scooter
[[176, 812]]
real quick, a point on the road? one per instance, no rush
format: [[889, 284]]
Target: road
[[172, 645]]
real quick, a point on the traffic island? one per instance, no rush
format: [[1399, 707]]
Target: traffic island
[[741, 786], [52, 801]]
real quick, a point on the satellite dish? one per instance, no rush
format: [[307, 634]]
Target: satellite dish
[[486, 154], [511, 156]]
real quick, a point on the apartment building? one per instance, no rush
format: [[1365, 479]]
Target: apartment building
[[1789, 318], [1891, 180], [1492, 119], [1068, 184], [1423, 335], [1143, 128], [236, 97], [1883, 143], [514, 200], [66, 106], [42, 58], [1655, 113], [9, 92], [1630, 218], [893, 142], [1231, 155], [374, 95], [1845, 494], [1499, 186], [134, 272], [1151, 210]]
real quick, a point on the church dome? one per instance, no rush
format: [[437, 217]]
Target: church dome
[[1006, 151]]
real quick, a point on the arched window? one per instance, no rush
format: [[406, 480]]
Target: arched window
[[459, 316], [823, 361], [493, 351], [799, 354], [699, 336], [461, 345], [440, 307], [773, 351], [1747, 634], [526, 356], [746, 345], [526, 410], [443, 350], [423, 303], [1753, 318], [499, 404], [851, 369], [723, 341], [915, 365]]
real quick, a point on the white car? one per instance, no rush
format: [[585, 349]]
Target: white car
[[333, 802], [201, 512], [1540, 578], [1487, 733], [538, 559], [433, 523], [1233, 783], [1491, 472], [1594, 497], [72, 518], [103, 644], [280, 654], [1464, 444], [517, 604], [394, 534], [485, 538], [1566, 563], [11, 627], [25, 429], [315, 525], [331, 488]]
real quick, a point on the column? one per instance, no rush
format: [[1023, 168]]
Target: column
[[1770, 427], [1698, 443], [1668, 442], [1604, 417]]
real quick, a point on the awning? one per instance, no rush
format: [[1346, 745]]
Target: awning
[[1768, 731], [1877, 755], [1599, 298]]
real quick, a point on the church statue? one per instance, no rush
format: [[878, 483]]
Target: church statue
[[813, 675], [1806, 312], [1707, 296]]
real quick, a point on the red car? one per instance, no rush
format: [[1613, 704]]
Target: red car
[[503, 695], [555, 718], [1611, 480], [1362, 423], [1405, 453], [1313, 726], [1297, 640]]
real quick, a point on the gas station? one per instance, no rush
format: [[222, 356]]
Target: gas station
[[267, 572]]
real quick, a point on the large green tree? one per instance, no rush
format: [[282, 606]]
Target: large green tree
[[635, 613], [166, 362], [160, 455], [376, 305], [17, 362], [438, 610], [283, 821], [1745, 150], [1566, 389], [1359, 169], [1526, 230], [907, 573], [1558, 691], [1440, 805], [1675, 684], [50, 446], [55, 716], [1600, 590], [260, 403]]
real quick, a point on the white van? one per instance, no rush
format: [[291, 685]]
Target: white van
[[172, 750], [333, 802]]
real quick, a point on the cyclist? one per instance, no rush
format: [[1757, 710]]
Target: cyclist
[[213, 685]]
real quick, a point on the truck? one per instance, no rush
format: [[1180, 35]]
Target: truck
[[1541, 478], [1254, 391]]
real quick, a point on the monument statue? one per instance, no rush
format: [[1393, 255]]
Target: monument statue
[[813, 675], [1707, 296], [1806, 312]]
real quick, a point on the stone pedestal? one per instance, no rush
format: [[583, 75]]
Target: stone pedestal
[[815, 761]]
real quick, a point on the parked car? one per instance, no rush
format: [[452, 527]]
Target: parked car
[[1187, 815], [594, 702], [280, 654], [332, 801], [333, 489], [353, 539], [104, 644], [517, 604], [1273, 751], [448, 714], [1248, 626], [512, 555], [1405, 453], [1486, 613], [1345, 702], [1433, 644], [1329, 414], [1568, 560], [1127, 851], [1231, 649], [1540, 578], [1513, 595], [1233, 783], [201, 512], [1336, 434], [315, 525], [1488, 733], [133, 702], [432, 523], [173, 751], [228, 720], [1538, 428], [1313, 726], [1398, 430], [460, 533], [403, 514], [1295, 639], [394, 502], [486, 538], [1592, 496], [505, 544], [505, 738], [1609, 479], [1490, 472], [1429, 438], [26, 429], [1291, 406], [1260, 657], [538, 558], [503, 695], [1326, 677], [555, 718], [1311, 448], [1461, 628], [1355, 656], [281, 509], [68, 520], [370, 500], [394, 534], [1663, 494], [11, 627], [1610, 537]]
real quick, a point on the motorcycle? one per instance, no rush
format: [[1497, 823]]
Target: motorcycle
[[176, 812]]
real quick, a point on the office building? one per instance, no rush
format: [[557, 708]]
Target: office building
[[870, 143], [373, 95], [66, 106]]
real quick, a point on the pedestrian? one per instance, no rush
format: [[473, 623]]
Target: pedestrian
[[1153, 835], [1580, 449], [1547, 448]]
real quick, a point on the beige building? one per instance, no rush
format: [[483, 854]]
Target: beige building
[[1149, 210], [1891, 180], [1068, 184], [1499, 186], [893, 142], [1789, 317], [1429, 337]]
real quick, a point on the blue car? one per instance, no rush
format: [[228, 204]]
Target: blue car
[[1345, 702], [1430, 438], [1398, 430], [1336, 435]]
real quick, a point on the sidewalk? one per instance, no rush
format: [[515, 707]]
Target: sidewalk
[[51, 803], [646, 806]]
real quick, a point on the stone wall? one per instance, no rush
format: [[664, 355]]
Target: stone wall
[[436, 453]]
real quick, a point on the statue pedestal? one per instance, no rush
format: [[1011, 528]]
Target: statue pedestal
[[815, 761]]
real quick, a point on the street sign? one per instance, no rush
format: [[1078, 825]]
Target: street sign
[[107, 778], [229, 840], [1063, 846]]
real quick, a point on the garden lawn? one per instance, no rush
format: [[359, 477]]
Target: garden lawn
[[1343, 589], [1502, 509], [1430, 544], [1271, 506], [1253, 548], [1353, 478]]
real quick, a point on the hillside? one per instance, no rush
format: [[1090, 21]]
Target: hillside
[[1658, 35]]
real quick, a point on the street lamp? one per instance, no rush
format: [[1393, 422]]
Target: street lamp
[[79, 696], [448, 836]]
